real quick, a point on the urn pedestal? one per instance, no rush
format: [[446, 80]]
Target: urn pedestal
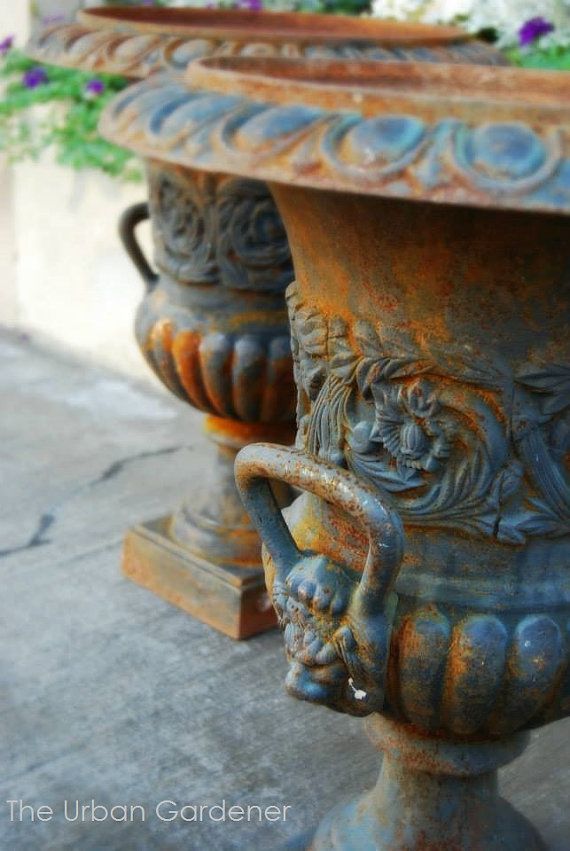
[[422, 577], [450, 789], [214, 329], [213, 325]]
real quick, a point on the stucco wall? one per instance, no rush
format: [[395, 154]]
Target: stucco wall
[[74, 283], [64, 276], [14, 20]]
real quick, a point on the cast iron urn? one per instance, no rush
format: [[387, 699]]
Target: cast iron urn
[[213, 325], [422, 576]]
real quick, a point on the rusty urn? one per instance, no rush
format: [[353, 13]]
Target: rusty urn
[[213, 325], [422, 576]]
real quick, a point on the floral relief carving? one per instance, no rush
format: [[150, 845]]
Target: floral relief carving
[[182, 229], [211, 230], [430, 430], [253, 251], [543, 441], [410, 423]]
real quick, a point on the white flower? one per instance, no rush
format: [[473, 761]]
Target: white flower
[[401, 10], [504, 16]]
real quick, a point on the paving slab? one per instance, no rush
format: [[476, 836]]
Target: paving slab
[[107, 693]]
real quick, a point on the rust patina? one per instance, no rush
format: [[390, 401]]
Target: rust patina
[[137, 42], [422, 577], [214, 324]]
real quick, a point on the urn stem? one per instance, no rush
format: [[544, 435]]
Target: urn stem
[[432, 794]]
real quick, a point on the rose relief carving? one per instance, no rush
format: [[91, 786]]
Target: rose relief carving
[[417, 425]]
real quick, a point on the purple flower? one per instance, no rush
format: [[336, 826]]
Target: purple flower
[[250, 5], [94, 87], [6, 45], [533, 29], [35, 77]]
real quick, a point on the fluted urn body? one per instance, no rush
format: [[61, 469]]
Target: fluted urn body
[[213, 325]]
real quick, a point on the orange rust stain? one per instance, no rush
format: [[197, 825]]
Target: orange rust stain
[[250, 432], [187, 360], [457, 666], [436, 329], [459, 657], [393, 667], [161, 334], [268, 319], [279, 393]]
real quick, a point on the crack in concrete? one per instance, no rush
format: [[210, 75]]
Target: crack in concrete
[[48, 518]]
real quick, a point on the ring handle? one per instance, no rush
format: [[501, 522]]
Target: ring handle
[[256, 464], [128, 223]]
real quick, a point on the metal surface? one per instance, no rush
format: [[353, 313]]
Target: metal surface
[[213, 325], [233, 600], [391, 129], [457, 414], [432, 795], [128, 223], [432, 363], [336, 621], [137, 42], [445, 387]]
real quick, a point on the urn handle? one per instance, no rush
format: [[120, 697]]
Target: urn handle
[[128, 223], [337, 623]]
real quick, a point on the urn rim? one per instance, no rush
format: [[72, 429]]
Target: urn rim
[[476, 136], [436, 90], [247, 26], [138, 42]]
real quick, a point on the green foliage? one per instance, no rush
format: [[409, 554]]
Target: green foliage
[[329, 7], [67, 121], [552, 58]]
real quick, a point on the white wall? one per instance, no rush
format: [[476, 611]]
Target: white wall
[[64, 277], [8, 281], [74, 282], [14, 20]]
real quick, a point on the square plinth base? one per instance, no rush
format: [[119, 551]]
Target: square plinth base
[[233, 600]]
